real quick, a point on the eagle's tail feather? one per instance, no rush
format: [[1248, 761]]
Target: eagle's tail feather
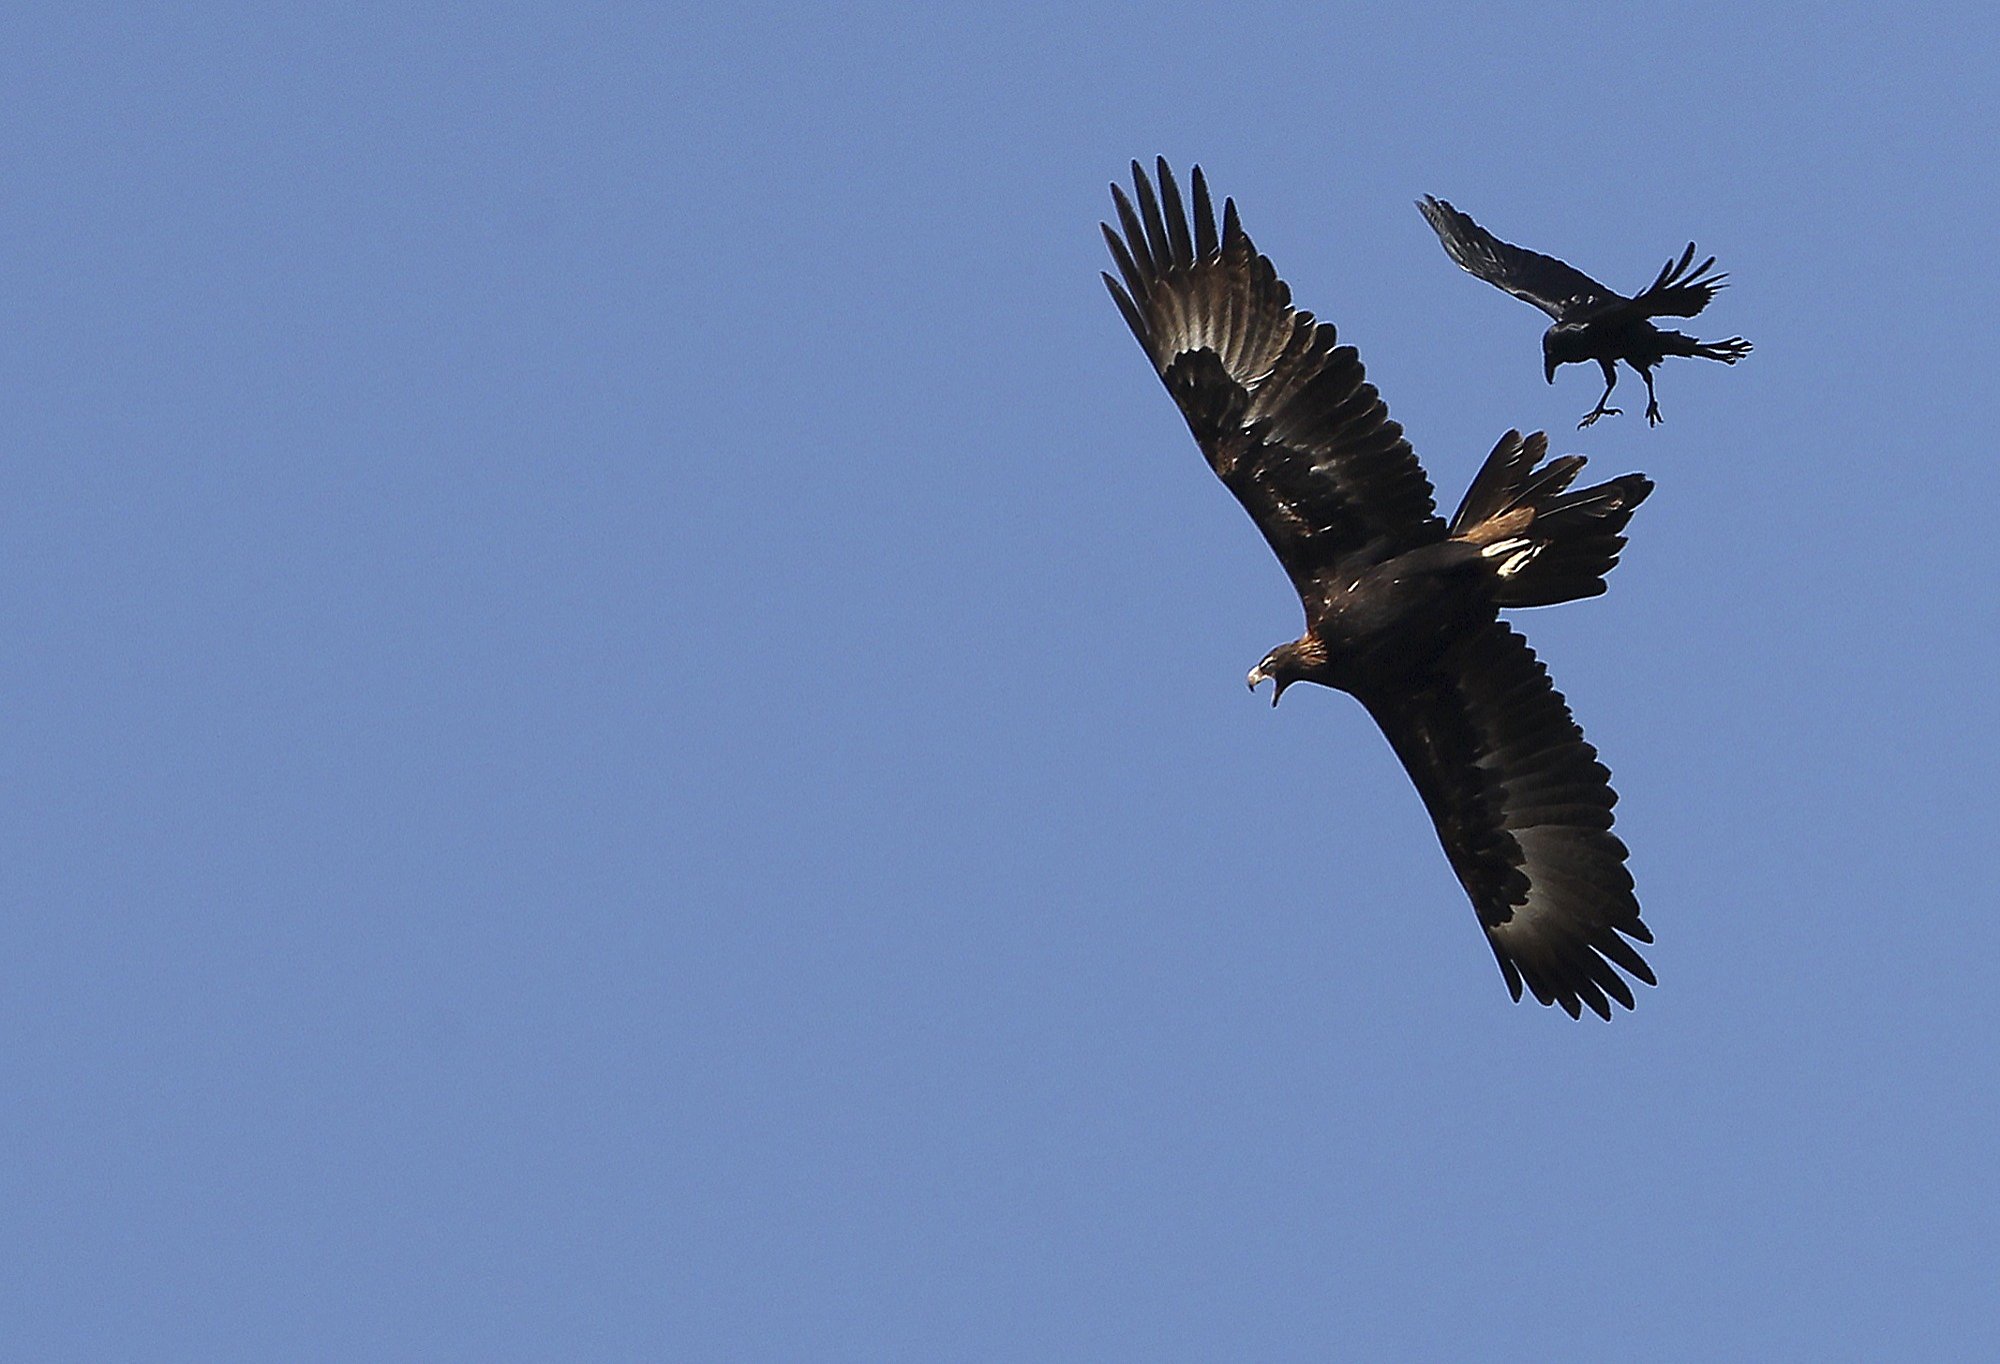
[[1546, 544]]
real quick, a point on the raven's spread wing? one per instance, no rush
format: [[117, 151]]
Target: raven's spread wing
[[1556, 287], [1282, 412], [1679, 291], [1523, 809]]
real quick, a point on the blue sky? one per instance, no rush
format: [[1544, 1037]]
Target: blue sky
[[623, 708]]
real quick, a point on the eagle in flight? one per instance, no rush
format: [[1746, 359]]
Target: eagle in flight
[[1402, 609], [1591, 321]]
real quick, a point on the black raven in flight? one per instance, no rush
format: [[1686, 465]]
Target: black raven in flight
[[1402, 610], [1592, 322]]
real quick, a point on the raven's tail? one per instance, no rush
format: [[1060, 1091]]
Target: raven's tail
[[1546, 544], [1729, 352]]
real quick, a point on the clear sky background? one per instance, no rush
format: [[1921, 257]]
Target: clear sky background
[[624, 731]]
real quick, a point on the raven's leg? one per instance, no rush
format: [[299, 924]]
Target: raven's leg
[[1653, 417], [1610, 368]]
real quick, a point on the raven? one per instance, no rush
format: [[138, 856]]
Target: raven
[[1592, 322], [1402, 610]]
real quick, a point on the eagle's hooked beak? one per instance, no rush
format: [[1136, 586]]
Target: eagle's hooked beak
[[1257, 675]]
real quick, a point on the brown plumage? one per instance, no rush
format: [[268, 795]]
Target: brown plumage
[[1402, 610]]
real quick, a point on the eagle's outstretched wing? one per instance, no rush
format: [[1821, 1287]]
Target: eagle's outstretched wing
[[1556, 287], [1523, 809], [1283, 413]]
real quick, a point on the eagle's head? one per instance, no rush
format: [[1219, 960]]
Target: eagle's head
[[1288, 663]]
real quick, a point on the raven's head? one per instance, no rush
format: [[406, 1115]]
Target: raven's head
[[1288, 663], [1566, 343]]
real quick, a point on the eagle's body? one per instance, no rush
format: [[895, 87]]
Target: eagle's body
[[1376, 622], [1592, 323], [1402, 608]]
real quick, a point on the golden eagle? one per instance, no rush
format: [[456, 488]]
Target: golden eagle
[[1402, 610], [1591, 321]]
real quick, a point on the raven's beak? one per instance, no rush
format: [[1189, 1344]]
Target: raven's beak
[[1549, 368]]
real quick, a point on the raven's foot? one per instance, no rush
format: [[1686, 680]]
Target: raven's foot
[[1602, 411], [1653, 417]]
